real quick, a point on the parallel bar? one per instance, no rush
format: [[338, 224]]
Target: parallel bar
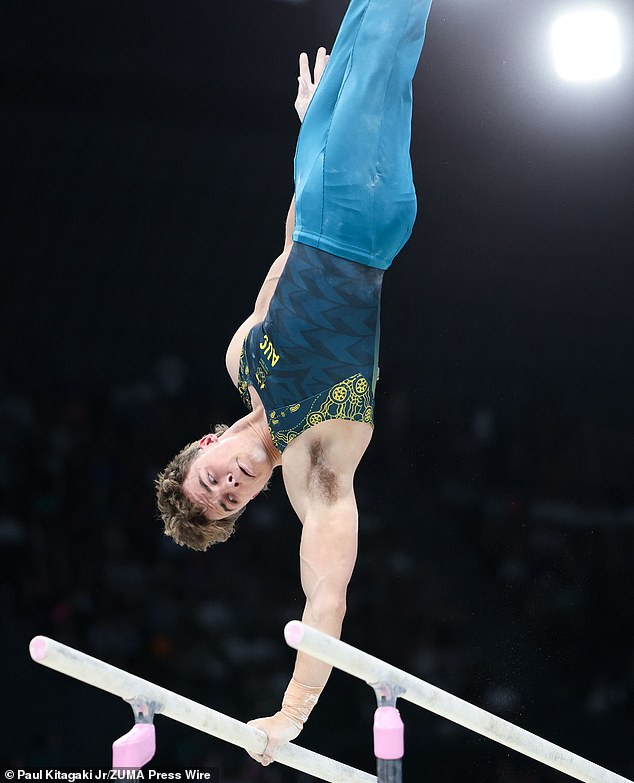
[[372, 670], [129, 687]]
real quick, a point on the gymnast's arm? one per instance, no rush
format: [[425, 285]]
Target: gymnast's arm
[[267, 290], [308, 83], [318, 477], [328, 553]]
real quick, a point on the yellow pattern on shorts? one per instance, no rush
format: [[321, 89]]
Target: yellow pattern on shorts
[[350, 400]]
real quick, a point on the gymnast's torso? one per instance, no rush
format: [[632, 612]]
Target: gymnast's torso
[[314, 356]]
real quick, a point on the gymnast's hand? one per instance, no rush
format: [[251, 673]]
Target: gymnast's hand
[[279, 729], [308, 85]]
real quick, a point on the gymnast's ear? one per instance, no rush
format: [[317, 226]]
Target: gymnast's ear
[[207, 440]]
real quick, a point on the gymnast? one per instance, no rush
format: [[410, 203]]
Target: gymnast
[[305, 362]]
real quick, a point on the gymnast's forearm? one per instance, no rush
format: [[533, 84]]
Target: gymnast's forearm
[[311, 675], [326, 617]]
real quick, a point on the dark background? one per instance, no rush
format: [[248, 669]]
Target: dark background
[[146, 153]]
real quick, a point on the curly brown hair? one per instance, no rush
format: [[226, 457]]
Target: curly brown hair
[[185, 521]]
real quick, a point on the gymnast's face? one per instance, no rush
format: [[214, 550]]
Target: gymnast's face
[[229, 471]]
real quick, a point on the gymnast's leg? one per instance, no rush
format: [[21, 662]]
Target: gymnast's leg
[[353, 177]]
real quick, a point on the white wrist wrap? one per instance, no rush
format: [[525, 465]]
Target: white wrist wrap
[[299, 701]]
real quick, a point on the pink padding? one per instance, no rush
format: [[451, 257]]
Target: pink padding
[[135, 748], [389, 740], [38, 648], [293, 633]]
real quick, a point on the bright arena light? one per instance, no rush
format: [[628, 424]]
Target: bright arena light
[[586, 45]]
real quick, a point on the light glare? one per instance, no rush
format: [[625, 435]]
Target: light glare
[[586, 45]]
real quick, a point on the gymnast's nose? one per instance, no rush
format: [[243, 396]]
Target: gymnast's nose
[[232, 481]]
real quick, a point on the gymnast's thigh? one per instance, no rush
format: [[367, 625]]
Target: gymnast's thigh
[[353, 178]]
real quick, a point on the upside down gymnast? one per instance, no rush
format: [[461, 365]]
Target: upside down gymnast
[[305, 361]]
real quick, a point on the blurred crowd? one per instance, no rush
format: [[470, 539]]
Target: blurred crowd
[[494, 561]]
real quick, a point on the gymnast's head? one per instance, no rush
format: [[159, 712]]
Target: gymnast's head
[[206, 487]]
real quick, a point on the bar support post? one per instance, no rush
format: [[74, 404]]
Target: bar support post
[[389, 735]]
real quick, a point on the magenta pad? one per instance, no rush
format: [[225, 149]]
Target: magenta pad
[[135, 748], [389, 741]]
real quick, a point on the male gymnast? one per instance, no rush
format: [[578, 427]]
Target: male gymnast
[[305, 361]]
